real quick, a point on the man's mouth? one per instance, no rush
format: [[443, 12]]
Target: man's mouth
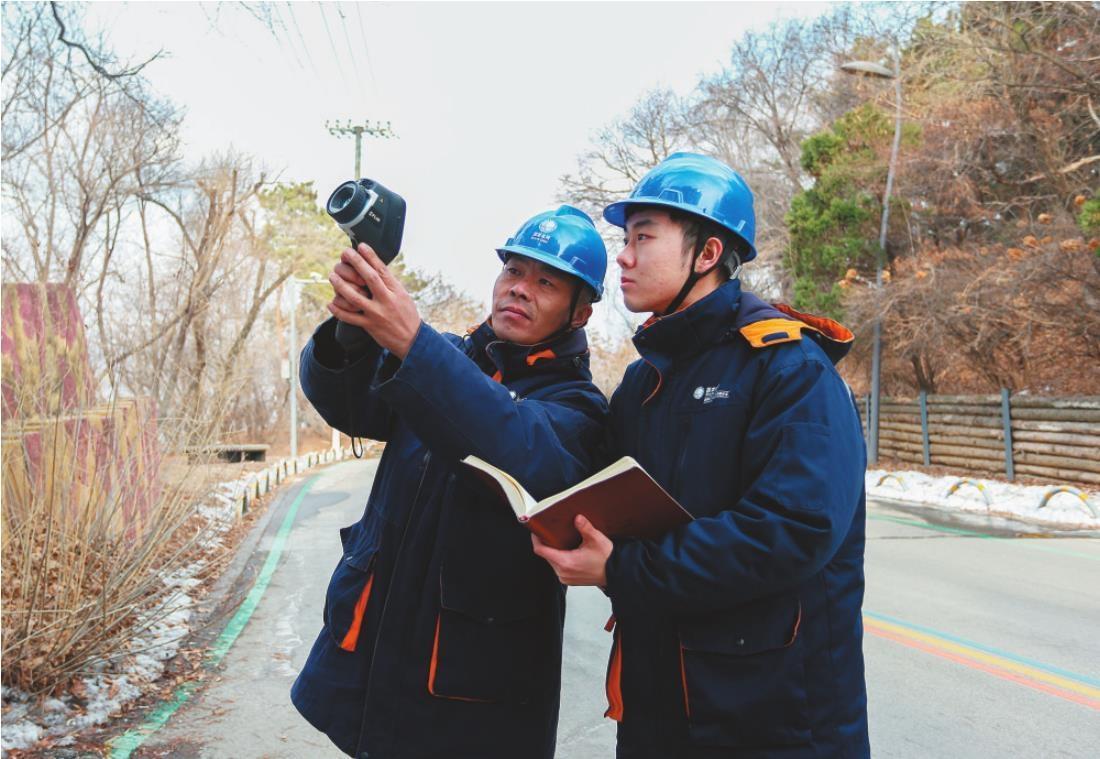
[[514, 310]]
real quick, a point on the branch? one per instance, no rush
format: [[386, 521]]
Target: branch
[[1065, 169], [88, 57]]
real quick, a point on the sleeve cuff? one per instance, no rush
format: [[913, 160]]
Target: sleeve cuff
[[618, 587], [329, 354]]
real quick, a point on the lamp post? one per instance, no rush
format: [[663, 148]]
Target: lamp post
[[292, 354], [867, 68]]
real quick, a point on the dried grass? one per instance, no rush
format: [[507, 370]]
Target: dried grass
[[83, 571]]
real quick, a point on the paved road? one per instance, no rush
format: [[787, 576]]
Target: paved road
[[976, 646]]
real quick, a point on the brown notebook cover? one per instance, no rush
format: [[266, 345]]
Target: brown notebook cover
[[627, 504]]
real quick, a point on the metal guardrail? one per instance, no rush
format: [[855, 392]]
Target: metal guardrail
[[973, 483], [892, 476], [261, 483], [1047, 496]]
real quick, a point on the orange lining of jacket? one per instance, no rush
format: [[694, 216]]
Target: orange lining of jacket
[[614, 676], [683, 668], [352, 635], [684, 681], [544, 353], [774, 331], [825, 326], [435, 664]]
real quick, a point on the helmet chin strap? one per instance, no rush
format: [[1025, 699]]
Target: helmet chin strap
[[694, 276], [568, 326]]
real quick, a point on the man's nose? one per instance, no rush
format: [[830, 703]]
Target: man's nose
[[625, 259], [519, 289]]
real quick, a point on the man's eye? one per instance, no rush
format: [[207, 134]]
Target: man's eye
[[546, 283], [512, 270]]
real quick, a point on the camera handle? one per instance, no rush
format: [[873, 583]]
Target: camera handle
[[354, 340]]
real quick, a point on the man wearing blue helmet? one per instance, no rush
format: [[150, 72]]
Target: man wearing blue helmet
[[442, 631], [740, 633]]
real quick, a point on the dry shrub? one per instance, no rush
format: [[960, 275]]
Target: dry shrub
[[976, 318], [83, 572]]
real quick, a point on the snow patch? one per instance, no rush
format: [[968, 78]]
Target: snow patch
[[1065, 510]]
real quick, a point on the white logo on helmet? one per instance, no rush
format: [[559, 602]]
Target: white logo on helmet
[[698, 394], [548, 226]]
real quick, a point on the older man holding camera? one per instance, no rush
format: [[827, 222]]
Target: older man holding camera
[[442, 630]]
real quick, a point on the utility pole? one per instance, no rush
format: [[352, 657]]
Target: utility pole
[[377, 129]]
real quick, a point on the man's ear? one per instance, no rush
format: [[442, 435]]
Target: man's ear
[[581, 314], [709, 257]]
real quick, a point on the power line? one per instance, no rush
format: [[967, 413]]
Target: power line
[[305, 47], [366, 50], [277, 17], [332, 43], [351, 52]]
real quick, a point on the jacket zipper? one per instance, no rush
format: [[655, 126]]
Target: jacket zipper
[[681, 428]]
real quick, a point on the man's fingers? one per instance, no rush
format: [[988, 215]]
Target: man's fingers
[[354, 296], [348, 317], [368, 255], [552, 555], [587, 530], [342, 302], [383, 271], [347, 272], [371, 278]]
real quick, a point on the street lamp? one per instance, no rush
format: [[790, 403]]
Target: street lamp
[[295, 284], [867, 68]]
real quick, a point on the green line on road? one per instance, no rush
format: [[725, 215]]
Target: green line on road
[[1022, 542], [128, 742]]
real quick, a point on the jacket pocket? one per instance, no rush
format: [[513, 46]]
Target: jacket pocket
[[744, 677], [349, 589], [490, 646]]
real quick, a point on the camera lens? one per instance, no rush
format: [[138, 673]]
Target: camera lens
[[341, 198], [347, 202]]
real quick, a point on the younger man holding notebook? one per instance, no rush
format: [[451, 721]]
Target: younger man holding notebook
[[738, 634], [442, 631]]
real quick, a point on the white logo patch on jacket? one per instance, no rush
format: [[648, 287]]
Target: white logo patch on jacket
[[710, 394]]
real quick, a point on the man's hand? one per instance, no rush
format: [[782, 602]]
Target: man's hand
[[389, 314], [584, 565]]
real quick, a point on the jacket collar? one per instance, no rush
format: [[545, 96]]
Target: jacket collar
[[709, 320], [726, 312], [564, 354]]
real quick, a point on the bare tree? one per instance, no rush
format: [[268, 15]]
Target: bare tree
[[74, 144]]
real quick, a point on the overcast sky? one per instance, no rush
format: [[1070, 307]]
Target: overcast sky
[[492, 102]]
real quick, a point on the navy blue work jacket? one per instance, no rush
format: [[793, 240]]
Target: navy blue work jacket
[[739, 635], [442, 630]]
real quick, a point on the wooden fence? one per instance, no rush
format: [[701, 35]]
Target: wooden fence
[[1055, 439]]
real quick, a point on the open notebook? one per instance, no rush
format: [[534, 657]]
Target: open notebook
[[621, 500]]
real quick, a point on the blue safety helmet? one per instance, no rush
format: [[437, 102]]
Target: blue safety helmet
[[696, 184], [565, 239]]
